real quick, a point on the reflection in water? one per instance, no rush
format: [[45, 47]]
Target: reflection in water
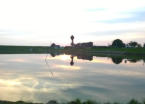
[[95, 80], [85, 57], [134, 60], [117, 60], [48, 65], [72, 61]]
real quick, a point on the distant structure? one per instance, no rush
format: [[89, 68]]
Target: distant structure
[[80, 45], [72, 39], [83, 45]]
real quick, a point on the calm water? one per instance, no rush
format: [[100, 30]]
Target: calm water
[[40, 78]]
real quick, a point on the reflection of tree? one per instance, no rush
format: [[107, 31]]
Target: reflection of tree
[[144, 60], [85, 56], [52, 54], [133, 60], [117, 60]]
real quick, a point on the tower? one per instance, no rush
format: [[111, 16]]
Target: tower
[[72, 39]]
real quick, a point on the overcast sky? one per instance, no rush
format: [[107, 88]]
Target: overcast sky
[[42, 22]]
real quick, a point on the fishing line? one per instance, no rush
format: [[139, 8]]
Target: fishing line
[[48, 64]]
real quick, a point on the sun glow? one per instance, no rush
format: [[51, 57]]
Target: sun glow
[[68, 67], [9, 82], [101, 60], [64, 57]]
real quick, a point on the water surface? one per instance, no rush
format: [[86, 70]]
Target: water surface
[[41, 77]]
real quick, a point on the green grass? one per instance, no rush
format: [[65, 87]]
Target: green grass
[[110, 50], [46, 49], [17, 102], [126, 50], [23, 49], [77, 101]]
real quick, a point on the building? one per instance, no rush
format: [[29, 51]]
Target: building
[[84, 45], [80, 45]]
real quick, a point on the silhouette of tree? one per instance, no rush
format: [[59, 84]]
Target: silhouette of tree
[[133, 44], [118, 43], [52, 102], [144, 45], [53, 45], [117, 60], [143, 60], [139, 46]]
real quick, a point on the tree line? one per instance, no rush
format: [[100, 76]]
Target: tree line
[[117, 43]]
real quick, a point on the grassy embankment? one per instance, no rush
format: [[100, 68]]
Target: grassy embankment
[[108, 50], [46, 49], [23, 49], [132, 54], [122, 50]]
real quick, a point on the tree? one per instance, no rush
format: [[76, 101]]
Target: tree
[[118, 43], [53, 45], [139, 46], [144, 45], [133, 44]]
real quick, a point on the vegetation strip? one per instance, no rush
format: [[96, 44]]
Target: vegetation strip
[[77, 101]]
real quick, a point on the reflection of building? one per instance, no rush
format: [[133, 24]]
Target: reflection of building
[[72, 61], [85, 57]]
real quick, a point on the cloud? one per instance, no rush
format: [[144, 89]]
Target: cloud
[[133, 17], [22, 21]]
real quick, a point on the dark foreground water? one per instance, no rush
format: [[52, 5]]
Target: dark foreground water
[[40, 78]]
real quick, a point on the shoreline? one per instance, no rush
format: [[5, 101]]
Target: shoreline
[[77, 101], [46, 49]]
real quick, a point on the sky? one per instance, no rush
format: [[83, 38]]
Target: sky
[[43, 22]]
